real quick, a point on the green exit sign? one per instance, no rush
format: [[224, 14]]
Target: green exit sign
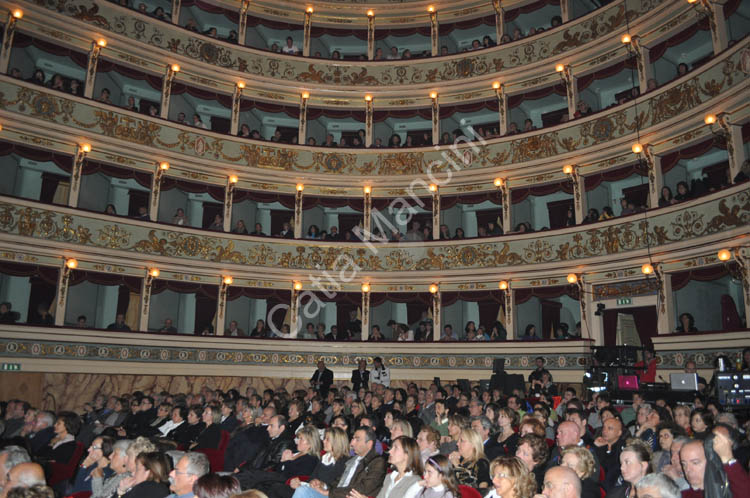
[[624, 300], [11, 367]]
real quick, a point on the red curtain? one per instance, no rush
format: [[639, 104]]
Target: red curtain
[[645, 323], [285, 200], [232, 15], [333, 202], [511, 15], [22, 40], [448, 201], [132, 283], [180, 88], [670, 160], [276, 295], [657, 51], [683, 278], [516, 100], [382, 34], [315, 113], [214, 191], [523, 295], [47, 273], [268, 23], [520, 194], [93, 167], [105, 66], [318, 31], [446, 29], [205, 290], [380, 116], [593, 181], [448, 111], [586, 80], [62, 161], [249, 105]]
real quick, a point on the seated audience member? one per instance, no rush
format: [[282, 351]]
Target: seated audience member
[[683, 192], [530, 334], [709, 467], [511, 479], [439, 479], [258, 230], [533, 452], [561, 482], [635, 463], [607, 448], [102, 487], [63, 445], [187, 433], [210, 436], [472, 467], [119, 323], [10, 457], [216, 486], [150, 478], [666, 433], [42, 315], [363, 473], [407, 471], [7, 315], [657, 486], [96, 460], [687, 324], [168, 327], [330, 467], [23, 476], [582, 462], [269, 457]]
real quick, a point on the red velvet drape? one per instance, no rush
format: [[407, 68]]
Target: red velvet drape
[[214, 191], [670, 160]]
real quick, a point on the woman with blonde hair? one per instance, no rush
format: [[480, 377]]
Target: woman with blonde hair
[[511, 479], [472, 467], [331, 465], [581, 461], [308, 453]]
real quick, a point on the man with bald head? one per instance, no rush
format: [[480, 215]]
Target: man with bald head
[[560, 482], [693, 460], [607, 448], [24, 475], [10, 457], [569, 434]]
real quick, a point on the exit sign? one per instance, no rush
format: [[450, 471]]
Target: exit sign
[[624, 300], [11, 367]]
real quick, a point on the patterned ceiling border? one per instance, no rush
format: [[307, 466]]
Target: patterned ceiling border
[[721, 212], [54, 350], [722, 75], [173, 39]]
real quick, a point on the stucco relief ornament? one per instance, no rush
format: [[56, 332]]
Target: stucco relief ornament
[[12, 347], [164, 355], [745, 61], [103, 352], [81, 351], [36, 349]]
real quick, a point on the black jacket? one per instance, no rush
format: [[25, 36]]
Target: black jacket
[[244, 446], [146, 489], [360, 379], [40, 440], [270, 455], [185, 433], [325, 378], [230, 423], [209, 438]]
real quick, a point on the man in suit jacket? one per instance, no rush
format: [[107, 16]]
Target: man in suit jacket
[[322, 379], [360, 376], [364, 472]]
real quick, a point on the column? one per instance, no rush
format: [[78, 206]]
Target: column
[[367, 214], [234, 125], [75, 175], [365, 311], [176, 4], [655, 177], [96, 48], [437, 326], [186, 310], [106, 305], [436, 214], [435, 117], [63, 278], [585, 298], [571, 85], [579, 197], [506, 200], [665, 309], [298, 212], [166, 89], [718, 23], [302, 133], [434, 34], [510, 313], [221, 305], [306, 28], [368, 120], [565, 10], [645, 68], [228, 201], [153, 210], [502, 107], [370, 35], [469, 221], [242, 26], [146, 284], [294, 310], [735, 145], [10, 29], [499, 20], [195, 211]]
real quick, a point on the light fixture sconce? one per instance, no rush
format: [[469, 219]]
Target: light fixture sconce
[[637, 148], [434, 288], [503, 285], [365, 287], [71, 263], [164, 165], [154, 272], [227, 280], [572, 278], [647, 269], [300, 187], [233, 179], [724, 255], [297, 286]]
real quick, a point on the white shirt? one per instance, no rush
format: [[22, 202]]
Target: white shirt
[[390, 482], [164, 429], [344, 482], [381, 376], [290, 50]]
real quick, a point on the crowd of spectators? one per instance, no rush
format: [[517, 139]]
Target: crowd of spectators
[[56, 82], [437, 441]]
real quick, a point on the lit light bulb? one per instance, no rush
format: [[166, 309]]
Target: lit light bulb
[[725, 255], [433, 289], [625, 38], [297, 286], [300, 187], [240, 85], [17, 13], [154, 272], [498, 182], [233, 179], [572, 278], [367, 189], [101, 42], [176, 68], [433, 187], [310, 10], [368, 98], [305, 95], [164, 165], [431, 9], [228, 280], [637, 148], [559, 68], [86, 148], [647, 269], [71, 263], [496, 85], [365, 287], [568, 169], [433, 95], [710, 119], [503, 285], [370, 13]]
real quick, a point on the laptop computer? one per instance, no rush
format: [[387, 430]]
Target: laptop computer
[[684, 381], [627, 382]]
